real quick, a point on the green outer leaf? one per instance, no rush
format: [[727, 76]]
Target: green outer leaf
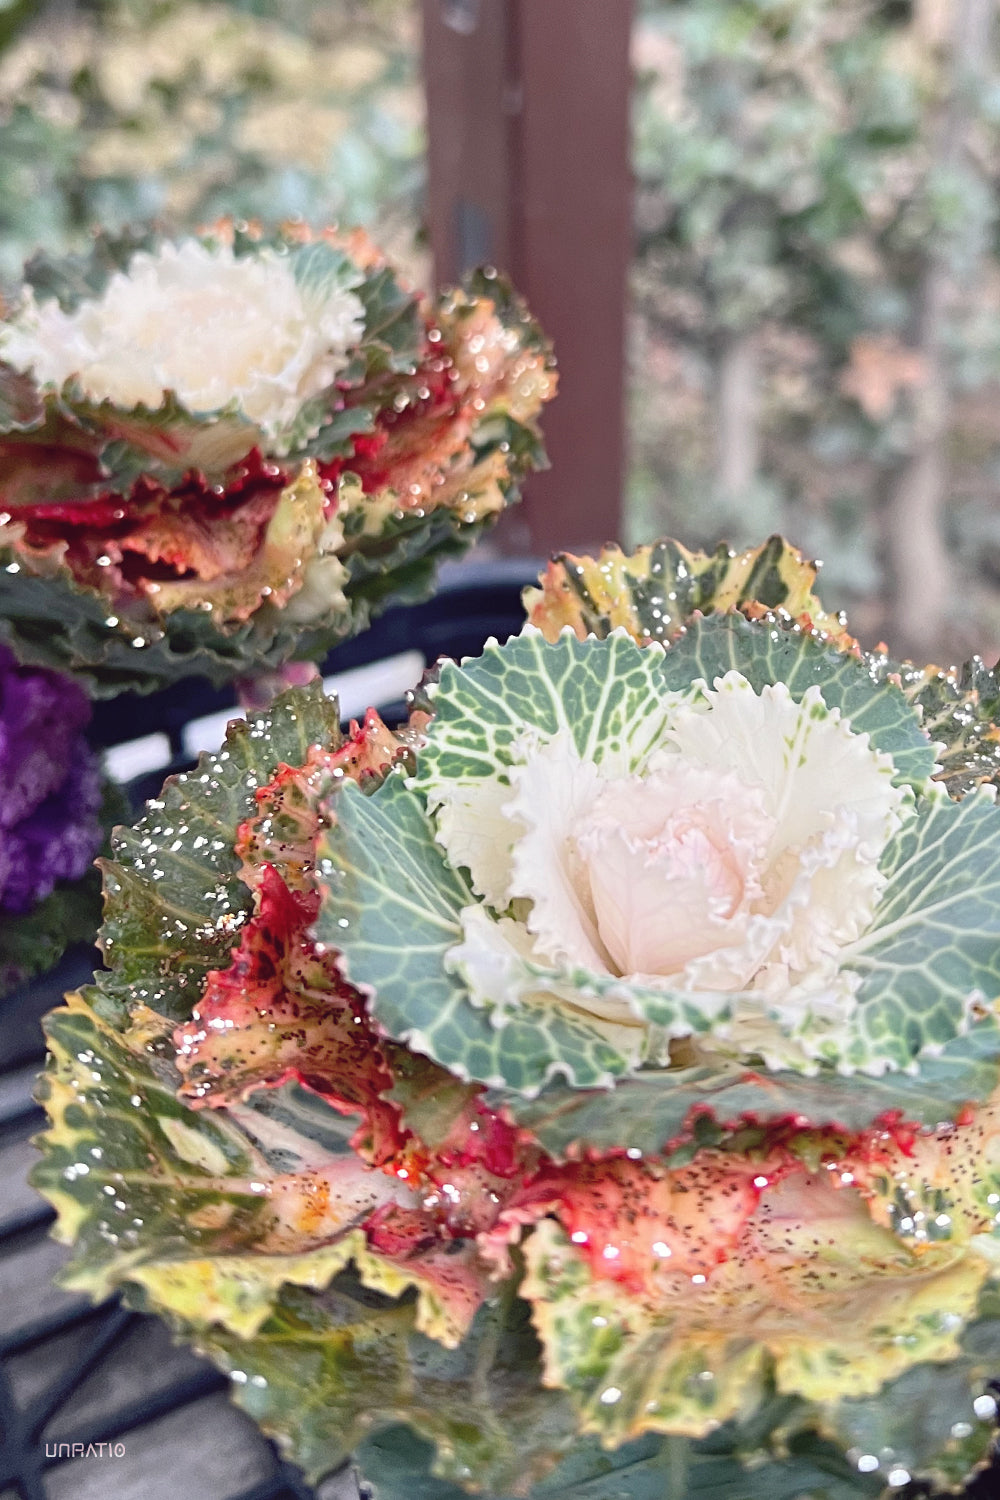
[[935, 938], [345, 1363], [21, 408], [766, 653], [921, 1416], [34, 941], [393, 327], [391, 905], [320, 266], [398, 1464], [162, 933], [607, 695], [651, 1108], [54, 622], [70, 279]]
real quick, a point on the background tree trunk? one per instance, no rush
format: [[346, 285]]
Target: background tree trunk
[[915, 544], [735, 427], [919, 564]]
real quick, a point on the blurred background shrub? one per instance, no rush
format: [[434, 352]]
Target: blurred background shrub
[[816, 313], [817, 329], [117, 110]]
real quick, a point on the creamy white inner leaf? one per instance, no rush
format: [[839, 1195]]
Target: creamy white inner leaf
[[737, 860]]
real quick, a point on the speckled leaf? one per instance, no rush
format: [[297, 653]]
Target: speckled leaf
[[391, 905], [630, 1367], [280, 1013], [764, 653], [650, 1109], [654, 591], [926, 1422], [163, 932], [183, 1179], [933, 948], [222, 1229], [961, 711]]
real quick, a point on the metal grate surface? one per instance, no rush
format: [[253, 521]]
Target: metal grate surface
[[99, 1403]]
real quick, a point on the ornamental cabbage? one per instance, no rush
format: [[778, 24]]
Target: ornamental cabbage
[[220, 453], [595, 1079], [50, 819]]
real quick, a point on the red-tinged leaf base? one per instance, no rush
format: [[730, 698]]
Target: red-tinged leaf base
[[281, 1012]]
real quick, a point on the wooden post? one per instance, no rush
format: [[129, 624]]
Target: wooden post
[[528, 123]]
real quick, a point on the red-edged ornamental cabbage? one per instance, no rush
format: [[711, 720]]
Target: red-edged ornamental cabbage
[[51, 823], [591, 1088], [225, 452]]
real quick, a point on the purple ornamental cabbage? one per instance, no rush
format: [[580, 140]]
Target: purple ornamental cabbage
[[50, 806]]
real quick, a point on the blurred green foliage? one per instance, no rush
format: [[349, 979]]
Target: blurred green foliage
[[118, 110], [818, 257]]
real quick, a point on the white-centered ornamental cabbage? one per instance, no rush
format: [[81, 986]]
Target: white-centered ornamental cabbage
[[215, 329], [223, 453], [733, 848]]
